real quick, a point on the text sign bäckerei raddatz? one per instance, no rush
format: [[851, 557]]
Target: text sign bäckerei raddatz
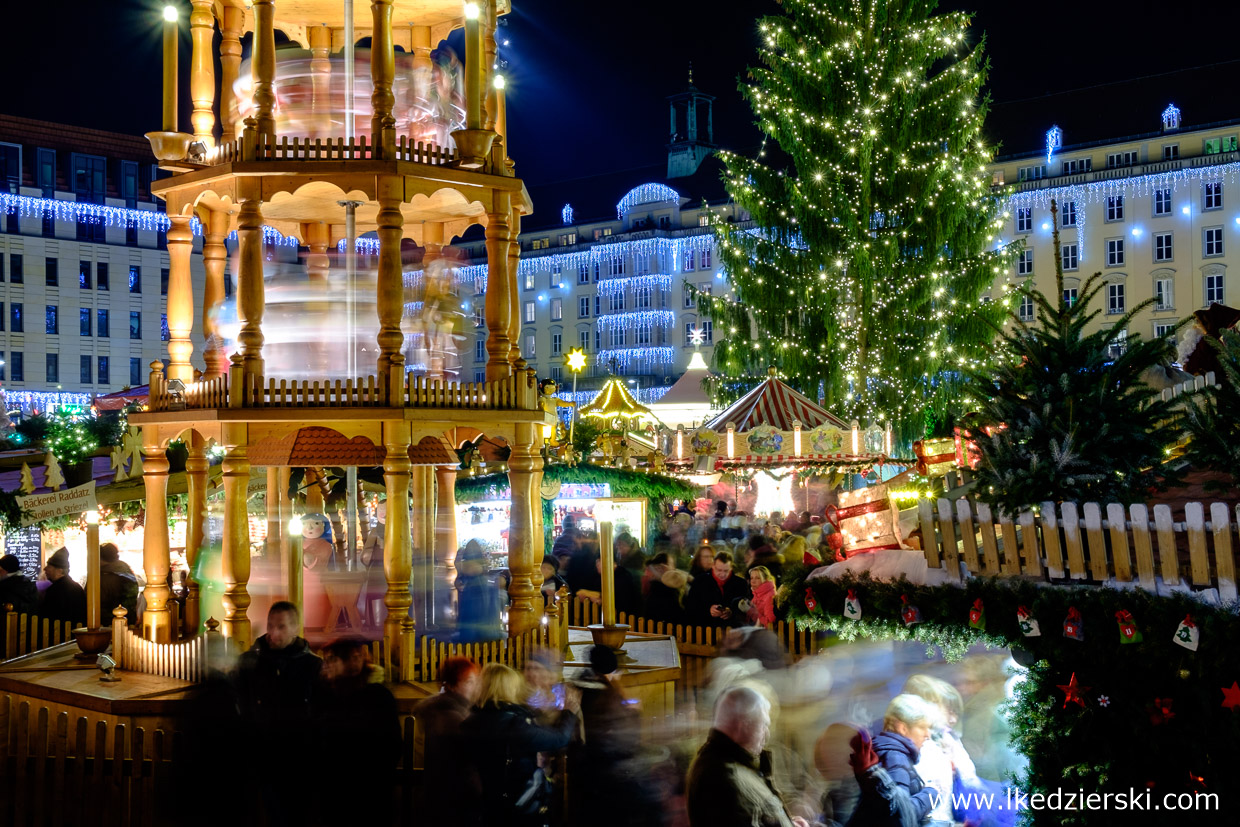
[[37, 507]]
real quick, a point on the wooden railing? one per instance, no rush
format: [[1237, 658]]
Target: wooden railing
[[296, 148], [1085, 542], [186, 660], [245, 390], [511, 651], [25, 633]]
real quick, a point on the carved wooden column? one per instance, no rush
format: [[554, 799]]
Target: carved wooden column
[[445, 515], [195, 524], [500, 296], [156, 619], [422, 539], [236, 554], [214, 258], [514, 306], [250, 295], [321, 80], [202, 71], [490, 23], [391, 285], [382, 74], [180, 299], [230, 68], [275, 517], [525, 537], [263, 67], [397, 556]]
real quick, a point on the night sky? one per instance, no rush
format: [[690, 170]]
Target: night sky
[[587, 80]]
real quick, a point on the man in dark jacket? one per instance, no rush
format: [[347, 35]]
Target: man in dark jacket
[[729, 781], [64, 599], [16, 589], [906, 726], [713, 597], [439, 720], [118, 586], [276, 683]]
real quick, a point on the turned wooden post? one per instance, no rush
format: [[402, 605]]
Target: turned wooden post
[[156, 620], [390, 298], [250, 291], [263, 70], [195, 524], [180, 299], [236, 553], [202, 72], [500, 298], [382, 74], [214, 259], [525, 536], [230, 68], [397, 549]]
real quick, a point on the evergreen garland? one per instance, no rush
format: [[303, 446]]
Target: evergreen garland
[[875, 222], [1213, 416], [1126, 742]]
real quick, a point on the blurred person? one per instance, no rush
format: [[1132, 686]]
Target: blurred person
[[480, 603], [628, 593], [359, 736], [906, 726], [16, 589], [665, 599], [276, 681], [542, 675], [703, 560], [583, 570], [503, 742], [715, 525], [64, 599], [552, 582], [568, 540], [881, 801], [444, 756], [762, 606], [754, 643], [729, 780], [118, 585], [714, 597], [654, 569], [832, 759], [762, 553]]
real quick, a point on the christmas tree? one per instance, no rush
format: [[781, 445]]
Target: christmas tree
[[1213, 417], [1065, 414], [875, 226]]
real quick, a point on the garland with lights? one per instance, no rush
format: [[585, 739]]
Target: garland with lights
[[878, 220], [1153, 706]]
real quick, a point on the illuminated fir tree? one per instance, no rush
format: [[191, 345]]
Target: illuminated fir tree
[[875, 228]]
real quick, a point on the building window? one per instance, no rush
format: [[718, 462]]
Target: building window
[[583, 307], [690, 299], [529, 281], [583, 273], [1115, 208], [529, 346], [1068, 254], [540, 244], [617, 302], [1213, 146], [1068, 214], [1164, 330], [84, 275], [480, 376], [480, 349], [135, 371], [52, 320], [84, 369], [17, 366], [135, 279], [557, 374], [101, 327], [17, 273], [615, 266], [2, 376], [557, 343], [135, 324], [1119, 344], [1, 266], [602, 233], [52, 270], [163, 281], [1024, 264], [101, 276], [164, 333], [642, 295], [704, 220], [1162, 247], [16, 325], [704, 260], [84, 321], [642, 336], [1070, 296], [597, 303], [1024, 220], [1162, 202], [1031, 173], [1164, 294], [690, 260], [557, 309], [689, 328], [10, 166], [53, 368], [1122, 159], [103, 377], [568, 239], [708, 332], [1212, 238], [529, 313], [1212, 195], [1214, 288], [617, 337], [1025, 311], [583, 340], [1171, 152], [1115, 298], [1115, 252], [1078, 165]]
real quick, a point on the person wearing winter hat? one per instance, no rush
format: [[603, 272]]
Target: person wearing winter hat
[[16, 589], [64, 599]]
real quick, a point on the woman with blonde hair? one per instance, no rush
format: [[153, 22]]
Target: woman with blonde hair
[[906, 726], [762, 606], [503, 741]]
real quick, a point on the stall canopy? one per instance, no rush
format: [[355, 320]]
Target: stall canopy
[[615, 402], [121, 399], [775, 404]]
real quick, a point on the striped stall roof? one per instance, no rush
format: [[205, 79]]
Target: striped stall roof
[[773, 403]]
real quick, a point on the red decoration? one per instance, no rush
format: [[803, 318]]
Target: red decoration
[[811, 603], [910, 614], [1160, 712], [1073, 692], [1072, 625], [977, 615], [1231, 696]]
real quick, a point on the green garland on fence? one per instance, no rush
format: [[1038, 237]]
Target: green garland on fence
[[1153, 715]]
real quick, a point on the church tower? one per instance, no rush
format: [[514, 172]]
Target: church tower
[[688, 146]]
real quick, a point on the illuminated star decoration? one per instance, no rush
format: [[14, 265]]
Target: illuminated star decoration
[[697, 336], [1073, 692], [576, 359], [1231, 696]]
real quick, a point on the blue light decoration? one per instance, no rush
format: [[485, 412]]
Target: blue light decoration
[[43, 401], [1054, 141], [642, 395], [636, 319], [566, 214], [609, 287], [1171, 117], [365, 246], [646, 194], [626, 357]]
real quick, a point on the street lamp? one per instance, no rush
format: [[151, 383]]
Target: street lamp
[[576, 361]]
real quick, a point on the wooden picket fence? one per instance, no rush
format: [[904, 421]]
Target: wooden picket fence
[[551, 633], [26, 633], [186, 660], [1089, 542]]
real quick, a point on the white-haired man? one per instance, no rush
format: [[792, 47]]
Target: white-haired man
[[729, 781]]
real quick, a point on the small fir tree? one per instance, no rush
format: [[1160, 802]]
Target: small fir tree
[[875, 224], [1065, 414], [1212, 417]]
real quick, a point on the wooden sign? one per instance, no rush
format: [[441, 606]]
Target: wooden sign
[[38, 507]]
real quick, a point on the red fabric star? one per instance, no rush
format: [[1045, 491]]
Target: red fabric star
[[1231, 696], [1073, 692]]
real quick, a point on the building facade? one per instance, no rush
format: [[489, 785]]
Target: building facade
[[1157, 214], [83, 263]]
